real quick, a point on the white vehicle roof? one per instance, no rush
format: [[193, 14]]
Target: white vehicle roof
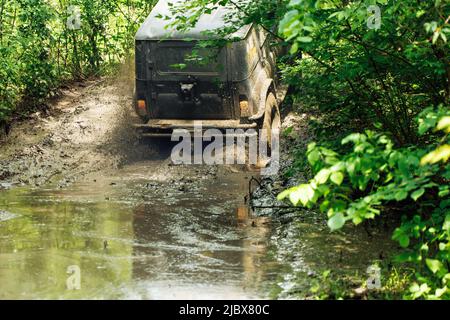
[[156, 28]]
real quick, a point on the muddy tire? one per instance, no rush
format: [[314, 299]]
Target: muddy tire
[[270, 123], [272, 117]]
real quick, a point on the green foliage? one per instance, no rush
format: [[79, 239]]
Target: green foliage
[[39, 51], [9, 89], [37, 74], [329, 286], [366, 77], [375, 177]]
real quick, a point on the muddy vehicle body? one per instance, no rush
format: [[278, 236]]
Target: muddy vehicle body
[[237, 89]]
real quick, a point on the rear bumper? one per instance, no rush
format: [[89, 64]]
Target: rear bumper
[[165, 128]]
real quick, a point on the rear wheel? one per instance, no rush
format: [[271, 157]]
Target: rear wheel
[[271, 124]]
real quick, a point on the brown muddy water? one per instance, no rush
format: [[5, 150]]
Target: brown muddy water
[[133, 237], [147, 232]]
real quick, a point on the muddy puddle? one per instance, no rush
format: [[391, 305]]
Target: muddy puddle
[[114, 219], [133, 237], [146, 233]]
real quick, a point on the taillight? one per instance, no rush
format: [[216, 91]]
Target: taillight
[[244, 106], [142, 106]]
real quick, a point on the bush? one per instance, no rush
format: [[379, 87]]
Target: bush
[[375, 178], [9, 88]]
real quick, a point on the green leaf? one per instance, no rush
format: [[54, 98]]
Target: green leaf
[[435, 37], [355, 138], [446, 225], [284, 195], [440, 292], [401, 195], [313, 157], [304, 39], [444, 125], [180, 66], [294, 48], [337, 178], [322, 176], [442, 153], [302, 194], [434, 265], [417, 194], [336, 222], [295, 196], [404, 241]]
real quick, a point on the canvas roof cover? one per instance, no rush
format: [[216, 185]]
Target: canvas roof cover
[[155, 28]]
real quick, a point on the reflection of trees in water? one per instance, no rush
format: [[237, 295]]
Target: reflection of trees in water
[[204, 257], [113, 246], [37, 248]]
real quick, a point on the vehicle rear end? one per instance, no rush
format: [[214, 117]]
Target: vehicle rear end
[[175, 81], [177, 84]]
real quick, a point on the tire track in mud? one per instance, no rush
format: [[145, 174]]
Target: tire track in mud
[[88, 130], [87, 133]]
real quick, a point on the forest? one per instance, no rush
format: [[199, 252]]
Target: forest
[[45, 44], [373, 76]]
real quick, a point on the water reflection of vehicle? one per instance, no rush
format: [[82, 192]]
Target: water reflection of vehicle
[[181, 256], [257, 231]]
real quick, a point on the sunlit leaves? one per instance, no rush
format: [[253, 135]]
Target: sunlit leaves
[[302, 194], [441, 154], [337, 178], [431, 119], [437, 31], [435, 265], [336, 222], [322, 176], [418, 291], [446, 225], [444, 124]]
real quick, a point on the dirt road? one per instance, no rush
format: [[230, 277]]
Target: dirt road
[[84, 131]]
